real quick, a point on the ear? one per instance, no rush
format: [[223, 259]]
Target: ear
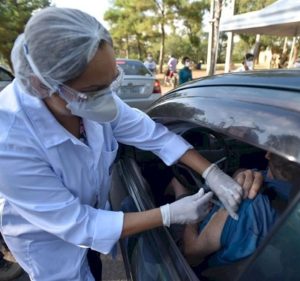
[[41, 91]]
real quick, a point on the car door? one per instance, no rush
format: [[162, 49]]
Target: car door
[[151, 255], [278, 258]]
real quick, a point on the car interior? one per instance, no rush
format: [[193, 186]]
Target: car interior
[[228, 153]]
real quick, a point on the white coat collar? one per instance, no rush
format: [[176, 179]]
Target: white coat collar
[[50, 132]]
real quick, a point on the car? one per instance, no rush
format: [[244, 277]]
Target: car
[[5, 77], [231, 119], [139, 88]]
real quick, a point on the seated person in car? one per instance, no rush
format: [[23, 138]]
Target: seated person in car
[[221, 240]]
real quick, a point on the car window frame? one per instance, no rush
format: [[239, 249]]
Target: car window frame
[[137, 189], [10, 75], [279, 225]]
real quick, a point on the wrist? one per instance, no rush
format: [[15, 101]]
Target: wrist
[[208, 170], [165, 215]]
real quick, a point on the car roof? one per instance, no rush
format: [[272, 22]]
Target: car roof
[[261, 108], [286, 79]]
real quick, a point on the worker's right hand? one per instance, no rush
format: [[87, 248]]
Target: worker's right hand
[[190, 209]]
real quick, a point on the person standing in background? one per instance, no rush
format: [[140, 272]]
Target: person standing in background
[[185, 73], [150, 63], [247, 63]]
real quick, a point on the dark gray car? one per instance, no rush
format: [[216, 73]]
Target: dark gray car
[[5, 77], [232, 119]]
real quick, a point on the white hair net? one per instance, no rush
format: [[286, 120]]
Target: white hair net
[[56, 46]]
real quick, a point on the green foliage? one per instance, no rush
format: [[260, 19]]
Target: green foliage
[[13, 16], [139, 27], [180, 46], [245, 6]]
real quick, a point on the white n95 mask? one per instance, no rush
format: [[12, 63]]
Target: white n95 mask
[[100, 107], [249, 64]]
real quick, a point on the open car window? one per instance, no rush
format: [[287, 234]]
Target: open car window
[[233, 154], [278, 258]]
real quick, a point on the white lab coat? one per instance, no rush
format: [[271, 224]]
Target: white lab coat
[[50, 183]]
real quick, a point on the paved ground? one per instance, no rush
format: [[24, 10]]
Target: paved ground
[[195, 74], [113, 270]]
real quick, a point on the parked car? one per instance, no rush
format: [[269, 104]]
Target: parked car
[[5, 77], [232, 119], [139, 88]]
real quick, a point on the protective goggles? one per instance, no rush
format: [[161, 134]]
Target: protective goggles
[[71, 95]]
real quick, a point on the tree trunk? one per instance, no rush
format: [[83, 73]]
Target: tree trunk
[[162, 49], [139, 48], [162, 46], [127, 47], [216, 10]]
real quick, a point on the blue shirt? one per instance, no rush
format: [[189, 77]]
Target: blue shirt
[[51, 182], [185, 75]]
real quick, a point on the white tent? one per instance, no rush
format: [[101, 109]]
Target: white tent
[[282, 18]]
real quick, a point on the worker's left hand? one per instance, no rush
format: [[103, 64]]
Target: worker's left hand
[[227, 190]]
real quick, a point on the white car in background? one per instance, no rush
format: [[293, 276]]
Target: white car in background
[[139, 88]]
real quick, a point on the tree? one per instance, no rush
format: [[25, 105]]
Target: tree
[[13, 16], [192, 16], [140, 25], [130, 28]]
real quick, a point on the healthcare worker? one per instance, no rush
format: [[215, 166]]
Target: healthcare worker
[[60, 123]]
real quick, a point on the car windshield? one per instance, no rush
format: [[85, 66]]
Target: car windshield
[[133, 68]]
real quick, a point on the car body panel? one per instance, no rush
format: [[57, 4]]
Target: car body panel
[[262, 110]]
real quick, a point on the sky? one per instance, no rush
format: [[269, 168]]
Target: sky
[[96, 8]]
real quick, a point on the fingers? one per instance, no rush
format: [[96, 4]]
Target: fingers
[[204, 199], [207, 196], [233, 214], [236, 193], [251, 181], [256, 185], [199, 194], [245, 180]]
